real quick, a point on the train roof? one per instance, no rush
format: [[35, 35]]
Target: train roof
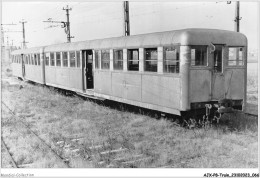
[[182, 37], [28, 50]]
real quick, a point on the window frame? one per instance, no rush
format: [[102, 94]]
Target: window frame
[[52, 59], [26, 59], [32, 59], [150, 60], [39, 59], [131, 60], [47, 59], [237, 60], [207, 56], [78, 63], [65, 52], [107, 51], [29, 58], [72, 52], [177, 66], [58, 64], [35, 59], [97, 59], [116, 67]]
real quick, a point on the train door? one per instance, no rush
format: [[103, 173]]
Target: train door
[[218, 79], [87, 62], [23, 65]]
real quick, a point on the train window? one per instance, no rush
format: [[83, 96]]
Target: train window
[[72, 59], [29, 59], [26, 59], [118, 59], [65, 59], [133, 59], [199, 56], [39, 59], [78, 58], [235, 56], [52, 60], [151, 60], [105, 59], [97, 57], [58, 60], [47, 58], [218, 58], [171, 59], [36, 59]]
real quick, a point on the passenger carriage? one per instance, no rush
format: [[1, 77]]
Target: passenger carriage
[[172, 72], [17, 64], [30, 66]]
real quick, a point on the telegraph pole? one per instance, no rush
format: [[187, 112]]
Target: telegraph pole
[[24, 43], [126, 18], [67, 30], [3, 32], [237, 17], [7, 40]]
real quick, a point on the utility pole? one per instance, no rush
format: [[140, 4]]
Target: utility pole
[[3, 32], [67, 30], [7, 41], [237, 17], [24, 43], [65, 25], [126, 19]]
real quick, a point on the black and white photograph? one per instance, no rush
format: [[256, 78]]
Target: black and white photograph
[[129, 88]]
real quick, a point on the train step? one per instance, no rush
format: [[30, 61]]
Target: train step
[[90, 94]]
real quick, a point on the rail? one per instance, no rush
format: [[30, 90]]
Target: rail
[[39, 138]]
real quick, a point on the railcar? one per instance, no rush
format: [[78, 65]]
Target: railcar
[[173, 72], [17, 64], [31, 66]]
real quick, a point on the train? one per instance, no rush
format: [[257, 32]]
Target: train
[[175, 72]]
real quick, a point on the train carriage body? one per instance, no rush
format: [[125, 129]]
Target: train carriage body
[[17, 64], [172, 72]]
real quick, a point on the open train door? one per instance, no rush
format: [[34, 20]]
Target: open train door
[[87, 70], [218, 77]]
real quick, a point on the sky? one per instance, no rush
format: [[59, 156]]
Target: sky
[[96, 20]]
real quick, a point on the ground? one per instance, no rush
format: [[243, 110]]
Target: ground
[[91, 134]]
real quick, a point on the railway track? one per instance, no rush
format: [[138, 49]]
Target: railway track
[[72, 147], [14, 164], [108, 155], [33, 133]]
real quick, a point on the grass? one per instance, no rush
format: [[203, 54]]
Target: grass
[[55, 117], [252, 88]]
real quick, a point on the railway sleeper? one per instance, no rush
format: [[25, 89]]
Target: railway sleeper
[[138, 161], [125, 159]]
